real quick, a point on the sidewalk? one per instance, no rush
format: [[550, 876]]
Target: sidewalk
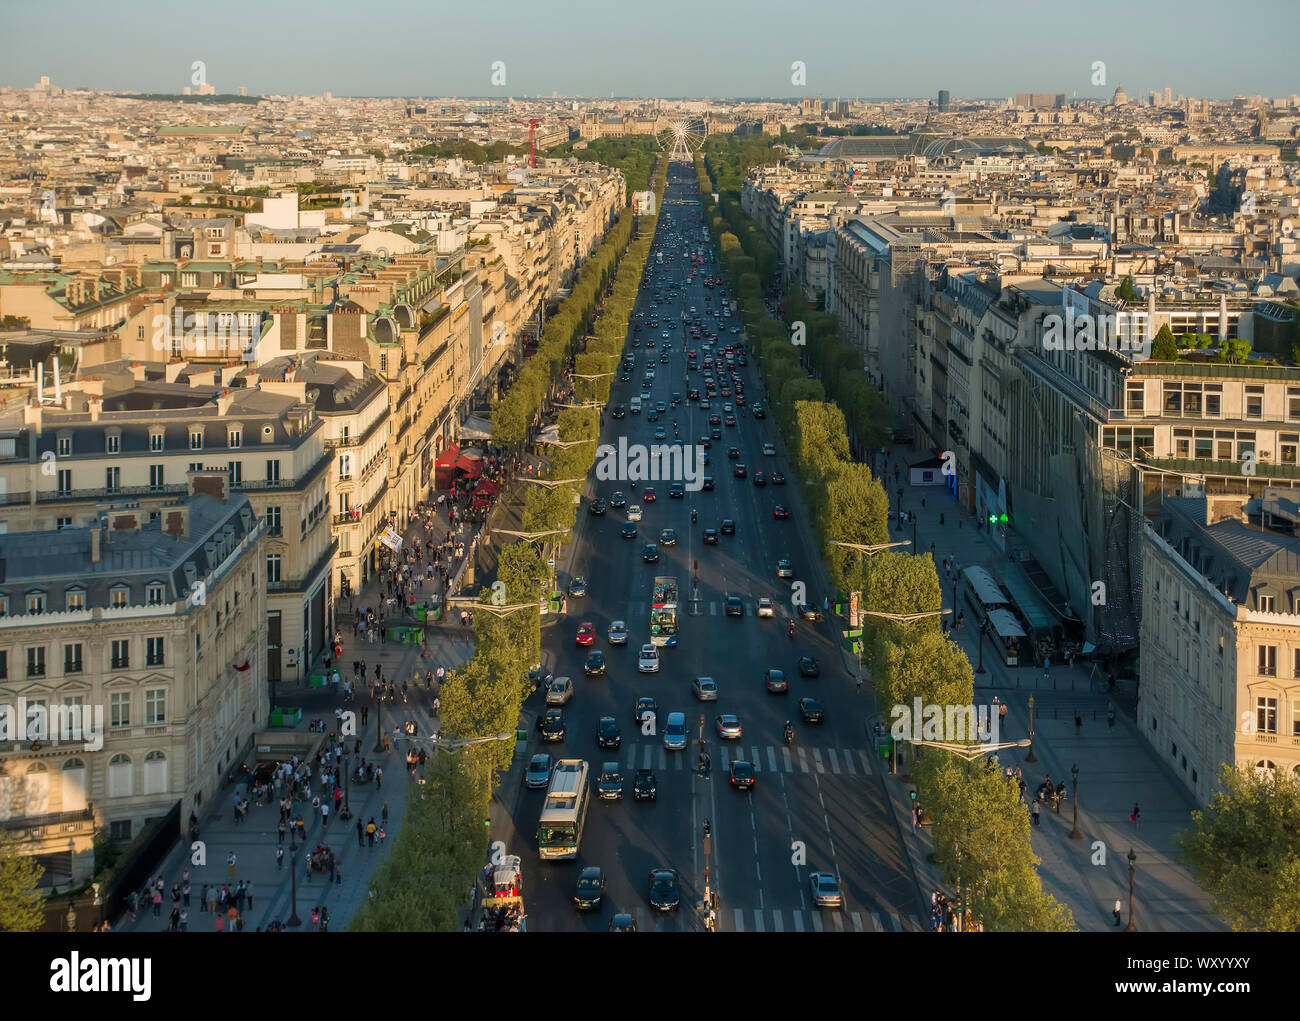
[[1116, 767]]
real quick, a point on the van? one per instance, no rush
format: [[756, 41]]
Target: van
[[634, 405], [675, 732]]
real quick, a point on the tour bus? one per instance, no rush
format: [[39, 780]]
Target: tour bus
[[564, 813], [663, 611]]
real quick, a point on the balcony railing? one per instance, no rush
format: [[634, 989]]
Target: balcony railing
[[69, 495]]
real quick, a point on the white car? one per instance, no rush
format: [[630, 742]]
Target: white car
[[617, 634], [704, 404], [769, 449], [648, 661], [634, 512], [765, 608]]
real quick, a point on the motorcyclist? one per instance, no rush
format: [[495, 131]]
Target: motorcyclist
[[789, 732], [790, 629], [694, 515]]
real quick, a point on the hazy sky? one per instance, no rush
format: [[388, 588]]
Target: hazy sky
[[670, 48]]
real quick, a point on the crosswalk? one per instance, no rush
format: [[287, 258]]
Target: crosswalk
[[704, 608], [765, 758], [829, 920]]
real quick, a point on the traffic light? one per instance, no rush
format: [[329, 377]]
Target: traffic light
[[998, 519]]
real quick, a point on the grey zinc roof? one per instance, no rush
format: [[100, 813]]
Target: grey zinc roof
[[1232, 556]]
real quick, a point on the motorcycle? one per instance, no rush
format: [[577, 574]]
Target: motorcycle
[[694, 517], [790, 630], [789, 734]]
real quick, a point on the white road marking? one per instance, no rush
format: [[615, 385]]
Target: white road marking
[[857, 922], [835, 761], [740, 920], [777, 923], [817, 756], [771, 758]]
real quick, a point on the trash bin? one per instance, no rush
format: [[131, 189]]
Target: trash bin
[[886, 748], [417, 635], [317, 679], [437, 611], [418, 612]]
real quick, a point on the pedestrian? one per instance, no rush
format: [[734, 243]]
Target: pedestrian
[[1078, 725], [1110, 715], [1136, 814], [382, 834], [184, 922], [203, 898], [379, 778], [361, 833], [232, 916], [859, 684], [157, 904], [370, 831], [1116, 911], [185, 893], [315, 919], [1034, 809], [248, 892], [280, 829], [279, 857], [212, 896], [230, 864], [384, 814], [221, 923], [913, 821], [1047, 667]]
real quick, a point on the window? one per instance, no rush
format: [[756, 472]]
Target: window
[[65, 481], [155, 707], [157, 476], [196, 466], [72, 658], [273, 470], [35, 602], [1266, 604], [62, 523], [112, 478], [1266, 715], [4, 664], [153, 652], [273, 567], [273, 520], [196, 439], [74, 719], [1295, 718], [119, 709], [234, 438], [1213, 400], [65, 446], [1288, 444], [119, 777], [236, 469], [119, 597], [119, 831], [345, 466], [189, 280], [120, 657], [155, 593], [156, 441], [1136, 396], [113, 443], [36, 661], [76, 599]]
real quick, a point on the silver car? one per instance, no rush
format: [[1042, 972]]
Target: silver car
[[705, 689], [559, 691], [617, 634]]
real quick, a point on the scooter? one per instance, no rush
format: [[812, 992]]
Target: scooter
[[789, 734]]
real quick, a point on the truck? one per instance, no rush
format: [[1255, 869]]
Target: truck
[[663, 611]]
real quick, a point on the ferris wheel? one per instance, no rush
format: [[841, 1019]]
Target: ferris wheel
[[682, 139]]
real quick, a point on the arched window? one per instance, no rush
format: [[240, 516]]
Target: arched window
[[155, 773], [1264, 765], [74, 785], [119, 777], [35, 795]]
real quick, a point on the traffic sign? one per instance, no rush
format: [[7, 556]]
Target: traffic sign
[[551, 562]]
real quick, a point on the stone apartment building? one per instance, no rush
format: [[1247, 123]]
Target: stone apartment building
[[132, 650]]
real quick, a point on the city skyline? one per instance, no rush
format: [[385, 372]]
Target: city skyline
[[993, 55]]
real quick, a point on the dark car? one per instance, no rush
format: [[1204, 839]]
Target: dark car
[[597, 506], [648, 496], [808, 667], [733, 453], [609, 785], [760, 479], [664, 891], [811, 710], [650, 554], [590, 889], [595, 665], [735, 608], [710, 537], [607, 733], [759, 412], [780, 512], [778, 479], [629, 531], [677, 491], [728, 526], [619, 411], [740, 471], [776, 682], [551, 724], [706, 443], [708, 483], [645, 706], [618, 500], [742, 774], [644, 786]]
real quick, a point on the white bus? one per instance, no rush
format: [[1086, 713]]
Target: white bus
[[564, 814]]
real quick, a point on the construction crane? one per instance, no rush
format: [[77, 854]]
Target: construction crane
[[532, 142]]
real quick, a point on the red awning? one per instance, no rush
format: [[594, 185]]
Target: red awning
[[487, 488], [470, 468], [448, 456]]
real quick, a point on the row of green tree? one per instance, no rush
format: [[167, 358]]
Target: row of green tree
[[635, 155], [444, 840]]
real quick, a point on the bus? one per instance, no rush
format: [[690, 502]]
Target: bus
[[564, 814], [663, 612]]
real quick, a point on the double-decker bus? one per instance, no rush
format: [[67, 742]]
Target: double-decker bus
[[564, 814], [663, 611]]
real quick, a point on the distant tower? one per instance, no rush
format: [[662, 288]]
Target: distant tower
[[1121, 97], [944, 101]]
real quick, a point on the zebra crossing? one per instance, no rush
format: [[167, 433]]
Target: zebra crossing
[[829, 920], [766, 759]]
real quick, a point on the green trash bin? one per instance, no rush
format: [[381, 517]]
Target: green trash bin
[[417, 635], [418, 612], [276, 717], [886, 748], [437, 611], [317, 679]]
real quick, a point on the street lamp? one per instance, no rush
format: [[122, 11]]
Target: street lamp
[[1132, 861], [984, 627], [1074, 775], [294, 921], [1031, 757], [869, 550]]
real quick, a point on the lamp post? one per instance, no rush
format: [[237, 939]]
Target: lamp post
[[294, 921], [1031, 757], [984, 626], [1132, 861], [1074, 776], [900, 506], [379, 722], [347, 787]]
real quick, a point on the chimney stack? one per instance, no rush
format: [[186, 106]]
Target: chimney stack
[[94, 543]]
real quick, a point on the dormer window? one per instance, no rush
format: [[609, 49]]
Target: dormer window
[[76, 599], [196, 439], [35, 602], [113, 443], [65, 446], [119, 596], [155, 593], [156, 440], [235, 437]]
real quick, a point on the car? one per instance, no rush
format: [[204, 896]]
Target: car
[[661, 407], [707, 484], [742, 774], [664, 891], [578, 587], [645, 706], [652, 415], [634, 512], [676, 397], [650, 553], [586, 634], [660, 433], [706, 442], [769, 449], [628, 531], [618, 499], [728, 726], [648, 661], [551, 724], [740, 471], [728, 526], [811, 710], [667, 537], [607, 733], [727, 408], [645, 787], [677, 491], [539, 677], [735, 608], [590, 888], [730, 420], [775, 682], [675, 738], [759, 412], [559, 691], [705, 689], [825, 890], [617, 633], [778, 478], [597, 507], [765, 607], [780, 513], [710, 537], [810, 611], [538, 773], [733, 453], [715, 420], [595, 665], [704, 404], [783, 569], [808, 667], [649, 496], [618, 411]]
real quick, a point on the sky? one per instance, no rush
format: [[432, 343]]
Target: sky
[[696, 48]]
